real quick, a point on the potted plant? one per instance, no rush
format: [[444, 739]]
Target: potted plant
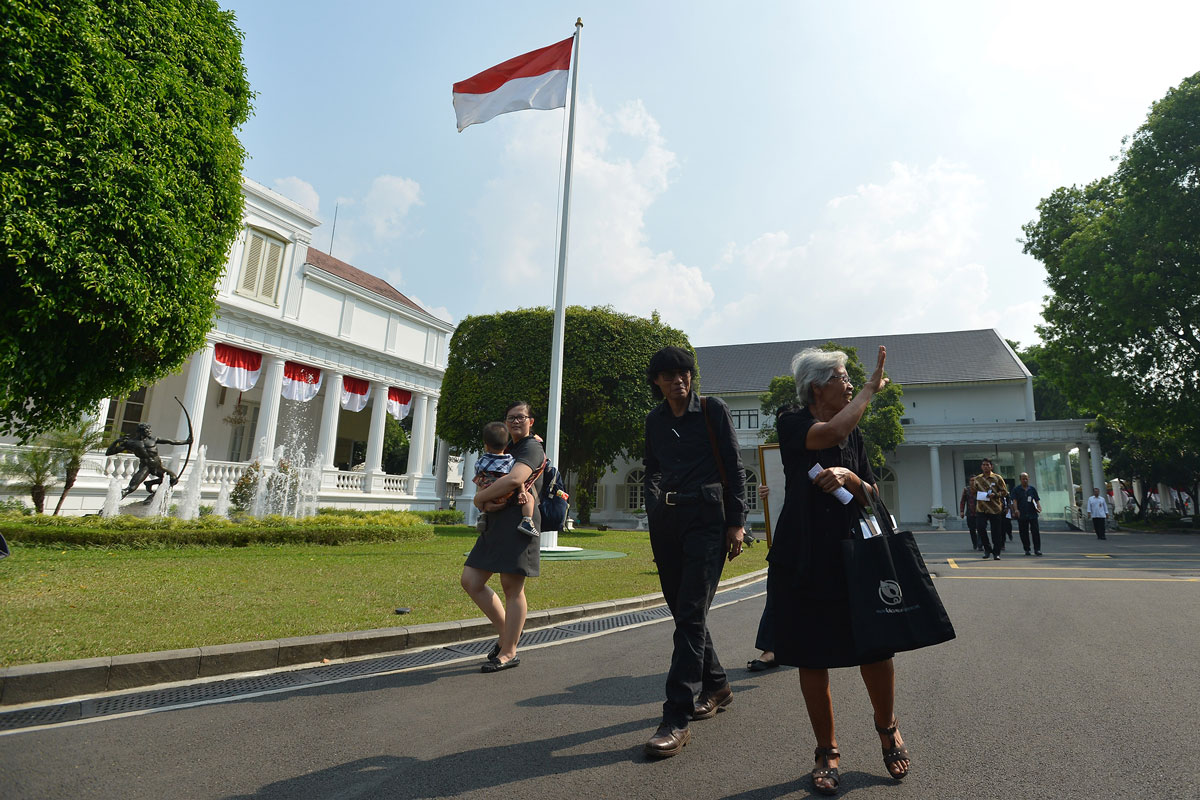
[[939, 516]]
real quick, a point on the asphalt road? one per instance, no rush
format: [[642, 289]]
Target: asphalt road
[[1075, 675]]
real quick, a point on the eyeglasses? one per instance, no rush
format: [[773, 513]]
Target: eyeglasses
[[517, 418], [843, 378]]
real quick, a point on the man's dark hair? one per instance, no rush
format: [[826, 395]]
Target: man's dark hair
[[669, 359], [495, 434]]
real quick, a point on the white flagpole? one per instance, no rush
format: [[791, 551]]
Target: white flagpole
[[553, 412]]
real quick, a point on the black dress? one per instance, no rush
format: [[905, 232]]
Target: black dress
[[503, 548], [806, 581]]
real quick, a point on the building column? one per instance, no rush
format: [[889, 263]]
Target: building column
[[1085, 474], [416, 443], [1139, 493], [327, 441], [1030, 411], [99, 416], [1070, 479], [1097, 459], [1165, 501], [374, 466], [441, 468], [268, 414], [1118, 496], [465, 500], [431, 436], [196, 392], [935, 472]]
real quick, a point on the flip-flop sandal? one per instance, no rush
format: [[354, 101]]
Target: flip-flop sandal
[[894, 754], [758, 665], [826, 773]]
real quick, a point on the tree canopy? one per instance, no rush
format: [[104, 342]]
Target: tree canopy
[[1122, 323], [120, 194], [880, 425], [496, 359]]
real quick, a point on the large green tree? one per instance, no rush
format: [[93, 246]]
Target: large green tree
[[119, 192], [880, 425], [1122, 322], [496, 359]]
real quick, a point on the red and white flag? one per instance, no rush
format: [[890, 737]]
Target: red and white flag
[[300, 382], [355, 393], [534, 80], [399, 402], [235, 368]]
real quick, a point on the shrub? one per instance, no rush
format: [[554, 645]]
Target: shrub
[[449, 516]]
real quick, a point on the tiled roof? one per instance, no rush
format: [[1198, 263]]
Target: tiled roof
[[335, 266], [913, 358]]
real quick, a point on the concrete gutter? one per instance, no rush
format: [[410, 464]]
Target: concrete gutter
[[56, 680]]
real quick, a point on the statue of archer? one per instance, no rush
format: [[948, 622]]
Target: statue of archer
[[144, 444]]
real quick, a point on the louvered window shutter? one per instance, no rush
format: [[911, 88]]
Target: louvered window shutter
[[251, 269], [270, 271], [622, 496]]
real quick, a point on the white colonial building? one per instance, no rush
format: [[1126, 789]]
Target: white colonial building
[[966, 396], [308, 353]]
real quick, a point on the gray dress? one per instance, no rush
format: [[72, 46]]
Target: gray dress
[[502, 548]]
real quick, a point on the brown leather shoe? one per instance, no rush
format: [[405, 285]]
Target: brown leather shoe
[[667, 741], [711, 702]]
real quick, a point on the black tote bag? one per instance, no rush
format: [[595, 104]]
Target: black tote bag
[[893, 604]]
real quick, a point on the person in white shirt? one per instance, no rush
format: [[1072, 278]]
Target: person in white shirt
[[1098, 510]]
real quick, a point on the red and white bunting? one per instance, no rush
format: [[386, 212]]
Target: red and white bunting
[[355, 393], [300, 382], [235, 368], [399, 402]]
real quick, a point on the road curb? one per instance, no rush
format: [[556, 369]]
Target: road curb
[[57, 680]]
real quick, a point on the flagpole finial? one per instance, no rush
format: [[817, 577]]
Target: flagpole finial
[[579, 22]]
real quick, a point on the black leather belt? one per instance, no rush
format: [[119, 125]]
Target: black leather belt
[[682, 498]]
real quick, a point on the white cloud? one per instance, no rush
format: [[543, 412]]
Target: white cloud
[[300, 191], [388, 202], [622, 166], [441, 312]]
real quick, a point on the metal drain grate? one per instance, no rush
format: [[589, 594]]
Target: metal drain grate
[[195, 693], [613, 622], [472, 648], [377, 665], [46, 715], [545, 635]]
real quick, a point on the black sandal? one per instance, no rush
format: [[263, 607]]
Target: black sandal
[[827, 772], [894, 754]]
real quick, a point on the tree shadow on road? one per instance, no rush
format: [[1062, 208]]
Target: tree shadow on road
[[403, 778]]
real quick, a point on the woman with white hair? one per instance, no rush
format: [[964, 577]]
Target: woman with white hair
[[806, 583]]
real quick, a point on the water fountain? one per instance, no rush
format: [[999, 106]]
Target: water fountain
[[112, 500], [189, 507]]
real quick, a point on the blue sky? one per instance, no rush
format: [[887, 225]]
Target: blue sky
[[758, 171]]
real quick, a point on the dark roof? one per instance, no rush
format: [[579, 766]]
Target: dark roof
[[913, 358], [335, 266]]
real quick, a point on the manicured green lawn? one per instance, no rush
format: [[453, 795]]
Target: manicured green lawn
[[77, 603]]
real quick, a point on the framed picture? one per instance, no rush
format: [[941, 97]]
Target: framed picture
[[770, 470]]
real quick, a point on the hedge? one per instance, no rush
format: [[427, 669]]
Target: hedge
[[132, 532]]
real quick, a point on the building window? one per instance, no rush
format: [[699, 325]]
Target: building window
[[261, 267], [751, 491], [244, 422], [124, 415], [744, 419], [635, 491]]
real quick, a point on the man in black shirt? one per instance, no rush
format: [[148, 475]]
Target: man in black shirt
[[696, 503], [1027, 505]]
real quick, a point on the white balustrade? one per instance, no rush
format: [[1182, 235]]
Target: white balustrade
[[395, 483], [350, 481]]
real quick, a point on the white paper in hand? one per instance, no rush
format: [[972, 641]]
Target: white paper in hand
[[840, 493]]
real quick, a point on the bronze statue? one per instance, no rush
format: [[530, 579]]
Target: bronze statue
[[144, 444]]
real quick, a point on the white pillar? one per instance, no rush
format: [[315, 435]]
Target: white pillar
[[1118, 496], [330, 413], [1070, 479], [1139, 492], [440, 469], [468, 492], [100, 416], [1030, 411], [374, 465], [1085, 474], [268, 414], [416, 443], [196, 392], [1097, 459], [430, 436], [1165, 501], [935, 473]]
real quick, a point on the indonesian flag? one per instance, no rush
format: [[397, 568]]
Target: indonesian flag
[[355, 393], [300, 382], [534, 80], [235, 368], [399, 402]]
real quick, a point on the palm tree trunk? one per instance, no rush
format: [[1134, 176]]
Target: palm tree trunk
[[72, 474], [38, 494]]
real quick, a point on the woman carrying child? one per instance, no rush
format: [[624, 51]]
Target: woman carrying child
[[503, 548]]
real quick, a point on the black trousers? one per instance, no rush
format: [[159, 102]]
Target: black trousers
[[689, 550], [997, 523], [1098, 527], [973, 529], [1030, 527]]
